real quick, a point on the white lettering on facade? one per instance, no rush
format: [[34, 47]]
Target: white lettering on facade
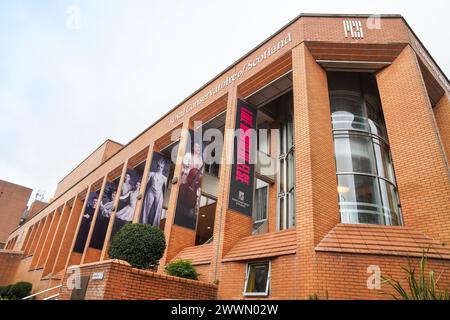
[[232, 78], [353, 29]]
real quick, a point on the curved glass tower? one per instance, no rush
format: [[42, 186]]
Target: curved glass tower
[[365, 175]]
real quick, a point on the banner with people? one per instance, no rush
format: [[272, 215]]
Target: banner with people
[[157, 186], [192, 168], [128, 198], [103, 216], [86, 221]]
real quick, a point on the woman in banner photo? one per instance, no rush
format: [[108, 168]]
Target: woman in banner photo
[[191, 160], [126, 213], [154, 193], [190, 188], [106, 208]]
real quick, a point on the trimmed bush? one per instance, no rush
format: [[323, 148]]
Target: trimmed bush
[[16, 291], [20, 290], [183, 269], [4, 291], [141, 245]]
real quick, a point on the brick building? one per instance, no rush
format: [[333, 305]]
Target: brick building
[[351, 173], [13, 202]]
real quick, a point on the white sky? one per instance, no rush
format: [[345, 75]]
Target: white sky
[[63, 92]]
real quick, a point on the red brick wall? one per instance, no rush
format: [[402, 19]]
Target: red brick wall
[[419, 161], [283, 273], [122, 282], [344, 276], [317, 209], [442, 116], [9, 262], [13, 202]]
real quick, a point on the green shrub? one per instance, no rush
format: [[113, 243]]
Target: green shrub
[[141, 245], [183, 269], [20, 290], [4, 291], [16, 291]]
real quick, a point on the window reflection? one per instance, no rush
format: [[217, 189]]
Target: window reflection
[[366, 182]]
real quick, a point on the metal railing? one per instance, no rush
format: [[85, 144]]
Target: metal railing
[[43, 291]]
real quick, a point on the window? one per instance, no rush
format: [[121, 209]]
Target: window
[[286, 176], [365, 176], [260, 206], [257, 279]]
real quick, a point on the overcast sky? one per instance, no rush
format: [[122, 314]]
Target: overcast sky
[[64, 91]]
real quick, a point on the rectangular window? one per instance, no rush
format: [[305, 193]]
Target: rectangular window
[[257, 280], [286, 176], [260, 206]]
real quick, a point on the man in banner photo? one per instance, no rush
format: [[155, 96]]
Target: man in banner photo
[[155, 189]]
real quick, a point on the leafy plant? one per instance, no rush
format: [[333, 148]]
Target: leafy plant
[[141, 245], [315, 296], [420, 285], [20, 290], [183, 269], [16, 291]]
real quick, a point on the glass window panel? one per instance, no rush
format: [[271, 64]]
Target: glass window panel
[[281, 175], [291, 171], [291, 212], [384, 162], [390, 203], [354, 154], [281, 212], [260, 209], [359, 199], [290, 133], [263, 140], [257, 278]]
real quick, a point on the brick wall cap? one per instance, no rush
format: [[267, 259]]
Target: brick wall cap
[[381, 240], [4, 251]]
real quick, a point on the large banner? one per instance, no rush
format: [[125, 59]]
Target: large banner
[[86, 221], [102, 221], [155, 189], [129, 193], [189, 193], [243, 167]]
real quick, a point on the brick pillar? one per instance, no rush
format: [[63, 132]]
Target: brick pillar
[[442, 115], [66, 241], [317, 210], [56, 239], [40, 245], [91, 254], [229, 226], [107, 239], [27, 240], [419, 160], [177, 238], [36, 237]]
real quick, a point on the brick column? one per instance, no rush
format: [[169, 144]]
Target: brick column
[[85, 257], [56, 239], [34, 261], [177, 238], [66, 241], [442, 115], [113, 214], [419, 161], [229, 226], [317, 210], [148, 163], [72, 258]]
